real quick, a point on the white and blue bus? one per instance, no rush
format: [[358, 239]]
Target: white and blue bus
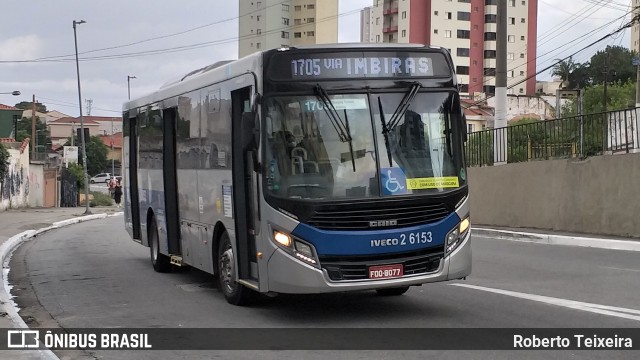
[[304, 170]]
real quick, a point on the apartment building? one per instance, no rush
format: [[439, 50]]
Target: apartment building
[[270, 24], [366, 18], [468, 29]]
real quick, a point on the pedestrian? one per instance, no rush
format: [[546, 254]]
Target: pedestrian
[[117, 193]]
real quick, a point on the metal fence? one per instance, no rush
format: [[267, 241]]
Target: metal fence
[[578, 136]]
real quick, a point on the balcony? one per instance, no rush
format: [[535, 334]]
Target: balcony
[[390, 11], [390, 29]]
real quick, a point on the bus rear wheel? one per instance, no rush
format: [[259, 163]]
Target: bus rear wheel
[[234, 293], [396, 291], [160, 262]]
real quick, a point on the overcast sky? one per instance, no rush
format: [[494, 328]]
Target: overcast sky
[[32, 29]]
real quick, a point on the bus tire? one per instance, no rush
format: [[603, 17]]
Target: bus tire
[[234, 293], [396, 291], [160, 262]]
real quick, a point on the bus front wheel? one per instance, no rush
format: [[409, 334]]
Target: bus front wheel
[[235, 293], [396, 291], [160, 262]]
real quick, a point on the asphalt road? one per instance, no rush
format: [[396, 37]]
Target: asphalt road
[[93, 275]]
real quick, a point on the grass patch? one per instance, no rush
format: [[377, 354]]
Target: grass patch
[[100, 199]]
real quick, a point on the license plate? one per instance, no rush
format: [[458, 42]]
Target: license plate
[[386, 271]]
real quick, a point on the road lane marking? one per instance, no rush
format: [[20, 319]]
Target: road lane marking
[[620, 312], [617, 268]]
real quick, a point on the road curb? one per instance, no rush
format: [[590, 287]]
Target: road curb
[[552, 239], [6, 251]]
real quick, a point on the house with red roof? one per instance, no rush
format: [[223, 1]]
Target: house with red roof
[[60, 130]]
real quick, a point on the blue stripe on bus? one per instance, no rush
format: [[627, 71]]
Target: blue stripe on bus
[[376, 241]]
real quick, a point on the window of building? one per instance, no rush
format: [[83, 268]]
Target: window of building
[[489, 54], [285, 7], [449, 16], [404, 14], [511, 38], [521, 73], [259, 4], [489, 89], [464, 15], [489, 72], [311, 33], [512, 3], [311, 6], [510, 73], [521, 55], [462, 70], [524, 2], [510, 56], [404, 33], [462, 52], [297, 21], [284, 34], [512, 21], [435, 13], [491, 2], [522, 37], [311, 20], [491, 18], [297, 35], [377, 38], [463, 34], [435, 31], [521, 90], [463, 88], [522, 20], [377, 21], [490, 36], [470, 128], [297, 8], [259, 31], [258, 18], [447, 33], [285, 21], [258, 45], [464, 1]]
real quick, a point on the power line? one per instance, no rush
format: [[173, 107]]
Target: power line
[[629, 24]]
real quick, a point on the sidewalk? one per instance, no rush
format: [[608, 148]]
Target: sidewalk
[[13, 222], [557, 238]]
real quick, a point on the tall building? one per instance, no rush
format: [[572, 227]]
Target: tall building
[[365, 25], [468, 29], [270, 24]]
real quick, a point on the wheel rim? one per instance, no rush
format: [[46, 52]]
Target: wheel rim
[[226, 270]]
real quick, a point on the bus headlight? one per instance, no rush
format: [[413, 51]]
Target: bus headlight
[[455, 236], [295, 247]]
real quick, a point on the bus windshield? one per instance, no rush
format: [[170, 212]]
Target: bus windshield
[[317, 153]]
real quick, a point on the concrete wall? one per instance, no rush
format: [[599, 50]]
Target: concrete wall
[[14, 188], [522, 106], [36, 185], [598, 195]]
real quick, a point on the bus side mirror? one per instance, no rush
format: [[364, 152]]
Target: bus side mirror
[[465, 134]]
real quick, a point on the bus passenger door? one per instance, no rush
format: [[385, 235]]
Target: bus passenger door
[[170, 180], [133, 177], [243, 190]]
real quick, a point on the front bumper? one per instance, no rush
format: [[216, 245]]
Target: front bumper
[[290, 276]]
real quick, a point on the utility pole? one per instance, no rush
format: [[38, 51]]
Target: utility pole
[[82, 139], [500, 142], [33, 127], [606, 80]]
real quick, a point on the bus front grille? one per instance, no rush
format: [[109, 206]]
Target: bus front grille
[[393, 215], [344, 268]]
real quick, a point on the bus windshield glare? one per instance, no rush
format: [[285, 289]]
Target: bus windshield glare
[[317, 153]]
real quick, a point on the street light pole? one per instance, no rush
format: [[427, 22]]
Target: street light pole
[[129, 85], [82, 139]]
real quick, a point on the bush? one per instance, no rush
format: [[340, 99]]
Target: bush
[[100, 199]]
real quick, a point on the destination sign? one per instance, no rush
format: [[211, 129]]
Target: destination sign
[[309, 66]]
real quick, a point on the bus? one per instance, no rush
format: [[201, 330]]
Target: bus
[[304, 170]]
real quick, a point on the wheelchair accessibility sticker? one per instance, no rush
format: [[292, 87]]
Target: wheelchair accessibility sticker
[[394, 181]]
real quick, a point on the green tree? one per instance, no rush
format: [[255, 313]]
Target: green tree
[[43, 139], [78, 173], [620, 65], [573, 75], [4, 161], [27, 105], [97, 153]]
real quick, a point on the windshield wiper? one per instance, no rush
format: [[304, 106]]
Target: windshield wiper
[[402, 108], [385, 131], [341, 127]]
